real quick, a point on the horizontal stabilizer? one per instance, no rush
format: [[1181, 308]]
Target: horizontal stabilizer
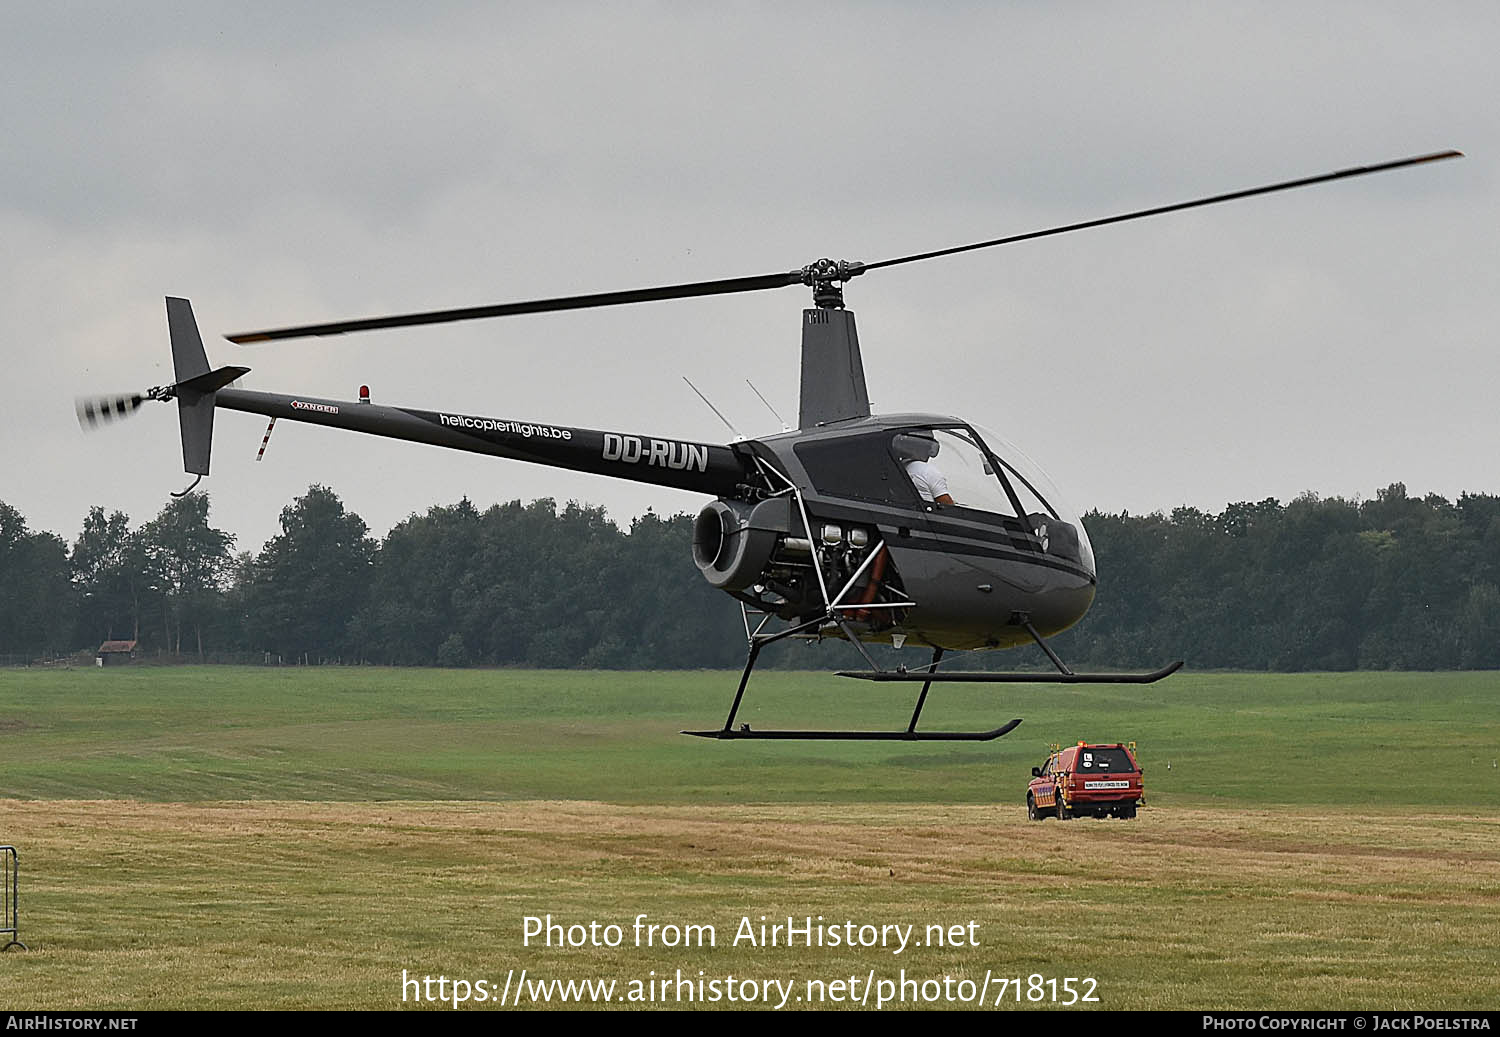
[[213, 380]]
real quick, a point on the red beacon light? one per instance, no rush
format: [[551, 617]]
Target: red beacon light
[[364, 394]]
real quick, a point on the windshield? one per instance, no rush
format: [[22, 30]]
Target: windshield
[[1065, 535], [965, 472]]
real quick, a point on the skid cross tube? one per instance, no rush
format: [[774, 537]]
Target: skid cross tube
[[1062, 667], [937, 657], [757, 642]]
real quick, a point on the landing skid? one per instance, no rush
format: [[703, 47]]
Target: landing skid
[[865, 736], [928, 675], [981, 677]]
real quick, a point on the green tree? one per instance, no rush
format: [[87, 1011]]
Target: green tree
[[36, 597], [310, 581], [107, 568], [187, 560], [535, 585]]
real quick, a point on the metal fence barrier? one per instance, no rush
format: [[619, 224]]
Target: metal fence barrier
[[10, 871]]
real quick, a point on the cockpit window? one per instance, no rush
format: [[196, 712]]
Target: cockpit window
[[981, 474], [1057, 527], [970, 478], [857, 466]]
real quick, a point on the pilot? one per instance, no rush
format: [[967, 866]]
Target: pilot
[[916, 451]]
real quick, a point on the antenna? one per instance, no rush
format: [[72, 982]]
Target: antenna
[[711, 407], [784, 426]]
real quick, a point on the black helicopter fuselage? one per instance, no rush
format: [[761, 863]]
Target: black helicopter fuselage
[[796, 517], [974, 570]]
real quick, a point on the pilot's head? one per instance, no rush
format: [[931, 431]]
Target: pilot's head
[[920, 445]]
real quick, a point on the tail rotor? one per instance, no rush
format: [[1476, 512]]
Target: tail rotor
[[97, 411], [194, 392]]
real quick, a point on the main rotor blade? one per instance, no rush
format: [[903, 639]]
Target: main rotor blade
[[727, 286], [1288, 185], [813, 275]]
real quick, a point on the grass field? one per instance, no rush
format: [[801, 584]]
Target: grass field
[[227, 838]]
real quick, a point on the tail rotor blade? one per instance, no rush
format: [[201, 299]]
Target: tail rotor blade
[[96, 411]]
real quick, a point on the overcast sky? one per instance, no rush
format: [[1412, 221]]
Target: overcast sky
[[286, 163]]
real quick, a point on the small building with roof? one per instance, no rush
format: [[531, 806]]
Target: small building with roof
[[114, 653]]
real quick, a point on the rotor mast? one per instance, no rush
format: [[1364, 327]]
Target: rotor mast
[[833, 373], [826, 278]]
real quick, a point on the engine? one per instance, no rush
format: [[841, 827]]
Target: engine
[[763, 555]]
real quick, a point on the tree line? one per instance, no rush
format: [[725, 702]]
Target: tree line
[[1397, 582]]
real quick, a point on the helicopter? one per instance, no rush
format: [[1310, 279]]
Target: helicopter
[[921, 529]]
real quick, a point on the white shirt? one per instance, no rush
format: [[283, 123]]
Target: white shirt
[[928, 478]]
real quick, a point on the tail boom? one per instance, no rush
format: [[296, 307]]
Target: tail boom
[[701, 467]]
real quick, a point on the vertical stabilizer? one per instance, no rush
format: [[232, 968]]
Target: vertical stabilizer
[[833, 375], [188, 358], [195, 408]]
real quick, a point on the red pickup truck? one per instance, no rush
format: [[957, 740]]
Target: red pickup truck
[[1086, 780]]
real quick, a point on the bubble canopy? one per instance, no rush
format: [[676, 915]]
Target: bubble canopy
[[1037, 493], [952, 470]]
